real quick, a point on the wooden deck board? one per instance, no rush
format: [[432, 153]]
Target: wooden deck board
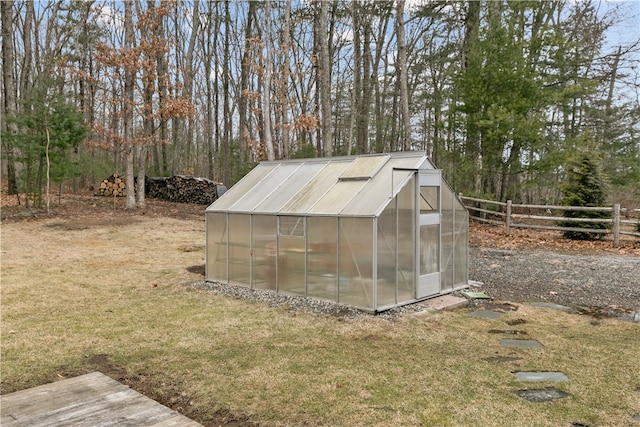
[[88, 400]]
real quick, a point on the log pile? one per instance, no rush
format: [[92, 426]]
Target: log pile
[[179, 188], [184, 189], [112, 186]]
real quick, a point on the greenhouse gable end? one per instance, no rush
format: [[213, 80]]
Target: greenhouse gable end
[[374, 232]]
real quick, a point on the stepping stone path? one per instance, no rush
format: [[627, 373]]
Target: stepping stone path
[[541, 376], [542, 395], [533, 395]]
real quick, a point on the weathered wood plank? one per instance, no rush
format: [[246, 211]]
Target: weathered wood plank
[[88, 400]]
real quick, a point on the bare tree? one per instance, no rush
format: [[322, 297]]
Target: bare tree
[[129, 81], [324, 67], [401, 65], [9, 89]]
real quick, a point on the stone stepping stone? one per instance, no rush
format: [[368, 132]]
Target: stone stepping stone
[[501, 359], [486, 314], [551, 305], [541, 376], [475, 295], [542, 395], [521, 343], [636, 418]]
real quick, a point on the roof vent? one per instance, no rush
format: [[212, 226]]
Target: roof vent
[[363, 168]]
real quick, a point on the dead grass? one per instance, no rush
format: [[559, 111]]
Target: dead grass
[[108, 295]]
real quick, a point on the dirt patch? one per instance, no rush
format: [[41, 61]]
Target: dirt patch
[[197, 269], [89, 223], [154, 385]]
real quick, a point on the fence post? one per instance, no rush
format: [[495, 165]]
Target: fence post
[[508, 218], [616, 225]]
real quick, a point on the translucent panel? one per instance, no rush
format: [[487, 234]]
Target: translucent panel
[[289, 187], [429, 249], [447, 239], [461, 245], [268, 184], [335, 200], [241, 188], [239, 249], [382, 186], [407, 242], [460, 276], [377, 192], [429, 199], [264, 241], [315, 189], [322, 258], [292, 226], [355, 262], [291, 265], [216, 246], [363, 167], [386, 256]]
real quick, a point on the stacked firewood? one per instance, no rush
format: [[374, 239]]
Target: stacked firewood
[[184, 189], [179, 188], [112, 186]]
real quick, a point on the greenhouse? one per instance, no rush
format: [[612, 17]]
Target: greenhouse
[[374, 232]]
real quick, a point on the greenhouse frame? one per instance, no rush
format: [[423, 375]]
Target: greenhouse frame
[[374, 231]]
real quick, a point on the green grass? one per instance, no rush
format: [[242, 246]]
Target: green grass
[[118, 291]]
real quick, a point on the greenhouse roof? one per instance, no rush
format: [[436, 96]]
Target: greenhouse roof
[[350, 186]]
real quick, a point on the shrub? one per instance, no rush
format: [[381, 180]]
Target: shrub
[[585, 186]]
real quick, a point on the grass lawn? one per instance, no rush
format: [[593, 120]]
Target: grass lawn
[[109, 294]]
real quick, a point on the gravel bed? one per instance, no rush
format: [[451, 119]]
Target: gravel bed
[[596, 284], [595, 281], [294, 303]]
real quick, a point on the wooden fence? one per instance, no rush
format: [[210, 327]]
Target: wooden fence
[[512, 215]]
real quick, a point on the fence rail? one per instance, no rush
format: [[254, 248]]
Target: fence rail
[[623, 221]]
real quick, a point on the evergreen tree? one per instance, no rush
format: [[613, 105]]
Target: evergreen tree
[[47, 131], [585, 186]]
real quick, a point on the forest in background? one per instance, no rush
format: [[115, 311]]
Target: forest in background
[[501, 95]]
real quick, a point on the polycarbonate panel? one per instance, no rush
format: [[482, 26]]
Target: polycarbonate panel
[[429, 249], [239, 249], [265, 189], [429, 199], [340, 195], [263, 244], [289, 187], [386, 182], [447, 239], [461, 245], [377, 192], [240, 189], [216, 266], [291, 265], [355, 262], [407, 242], [322, 257], [364, 167], [315, 189], [387, 243]]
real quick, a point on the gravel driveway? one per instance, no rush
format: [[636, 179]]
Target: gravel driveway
[[577, 280]]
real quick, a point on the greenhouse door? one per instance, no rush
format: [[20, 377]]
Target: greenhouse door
[[429, 230]]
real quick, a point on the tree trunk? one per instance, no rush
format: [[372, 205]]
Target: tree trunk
[[325, 80], [266, 89], [243, 104], [9, 91], [129, 82], [402, 75]]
